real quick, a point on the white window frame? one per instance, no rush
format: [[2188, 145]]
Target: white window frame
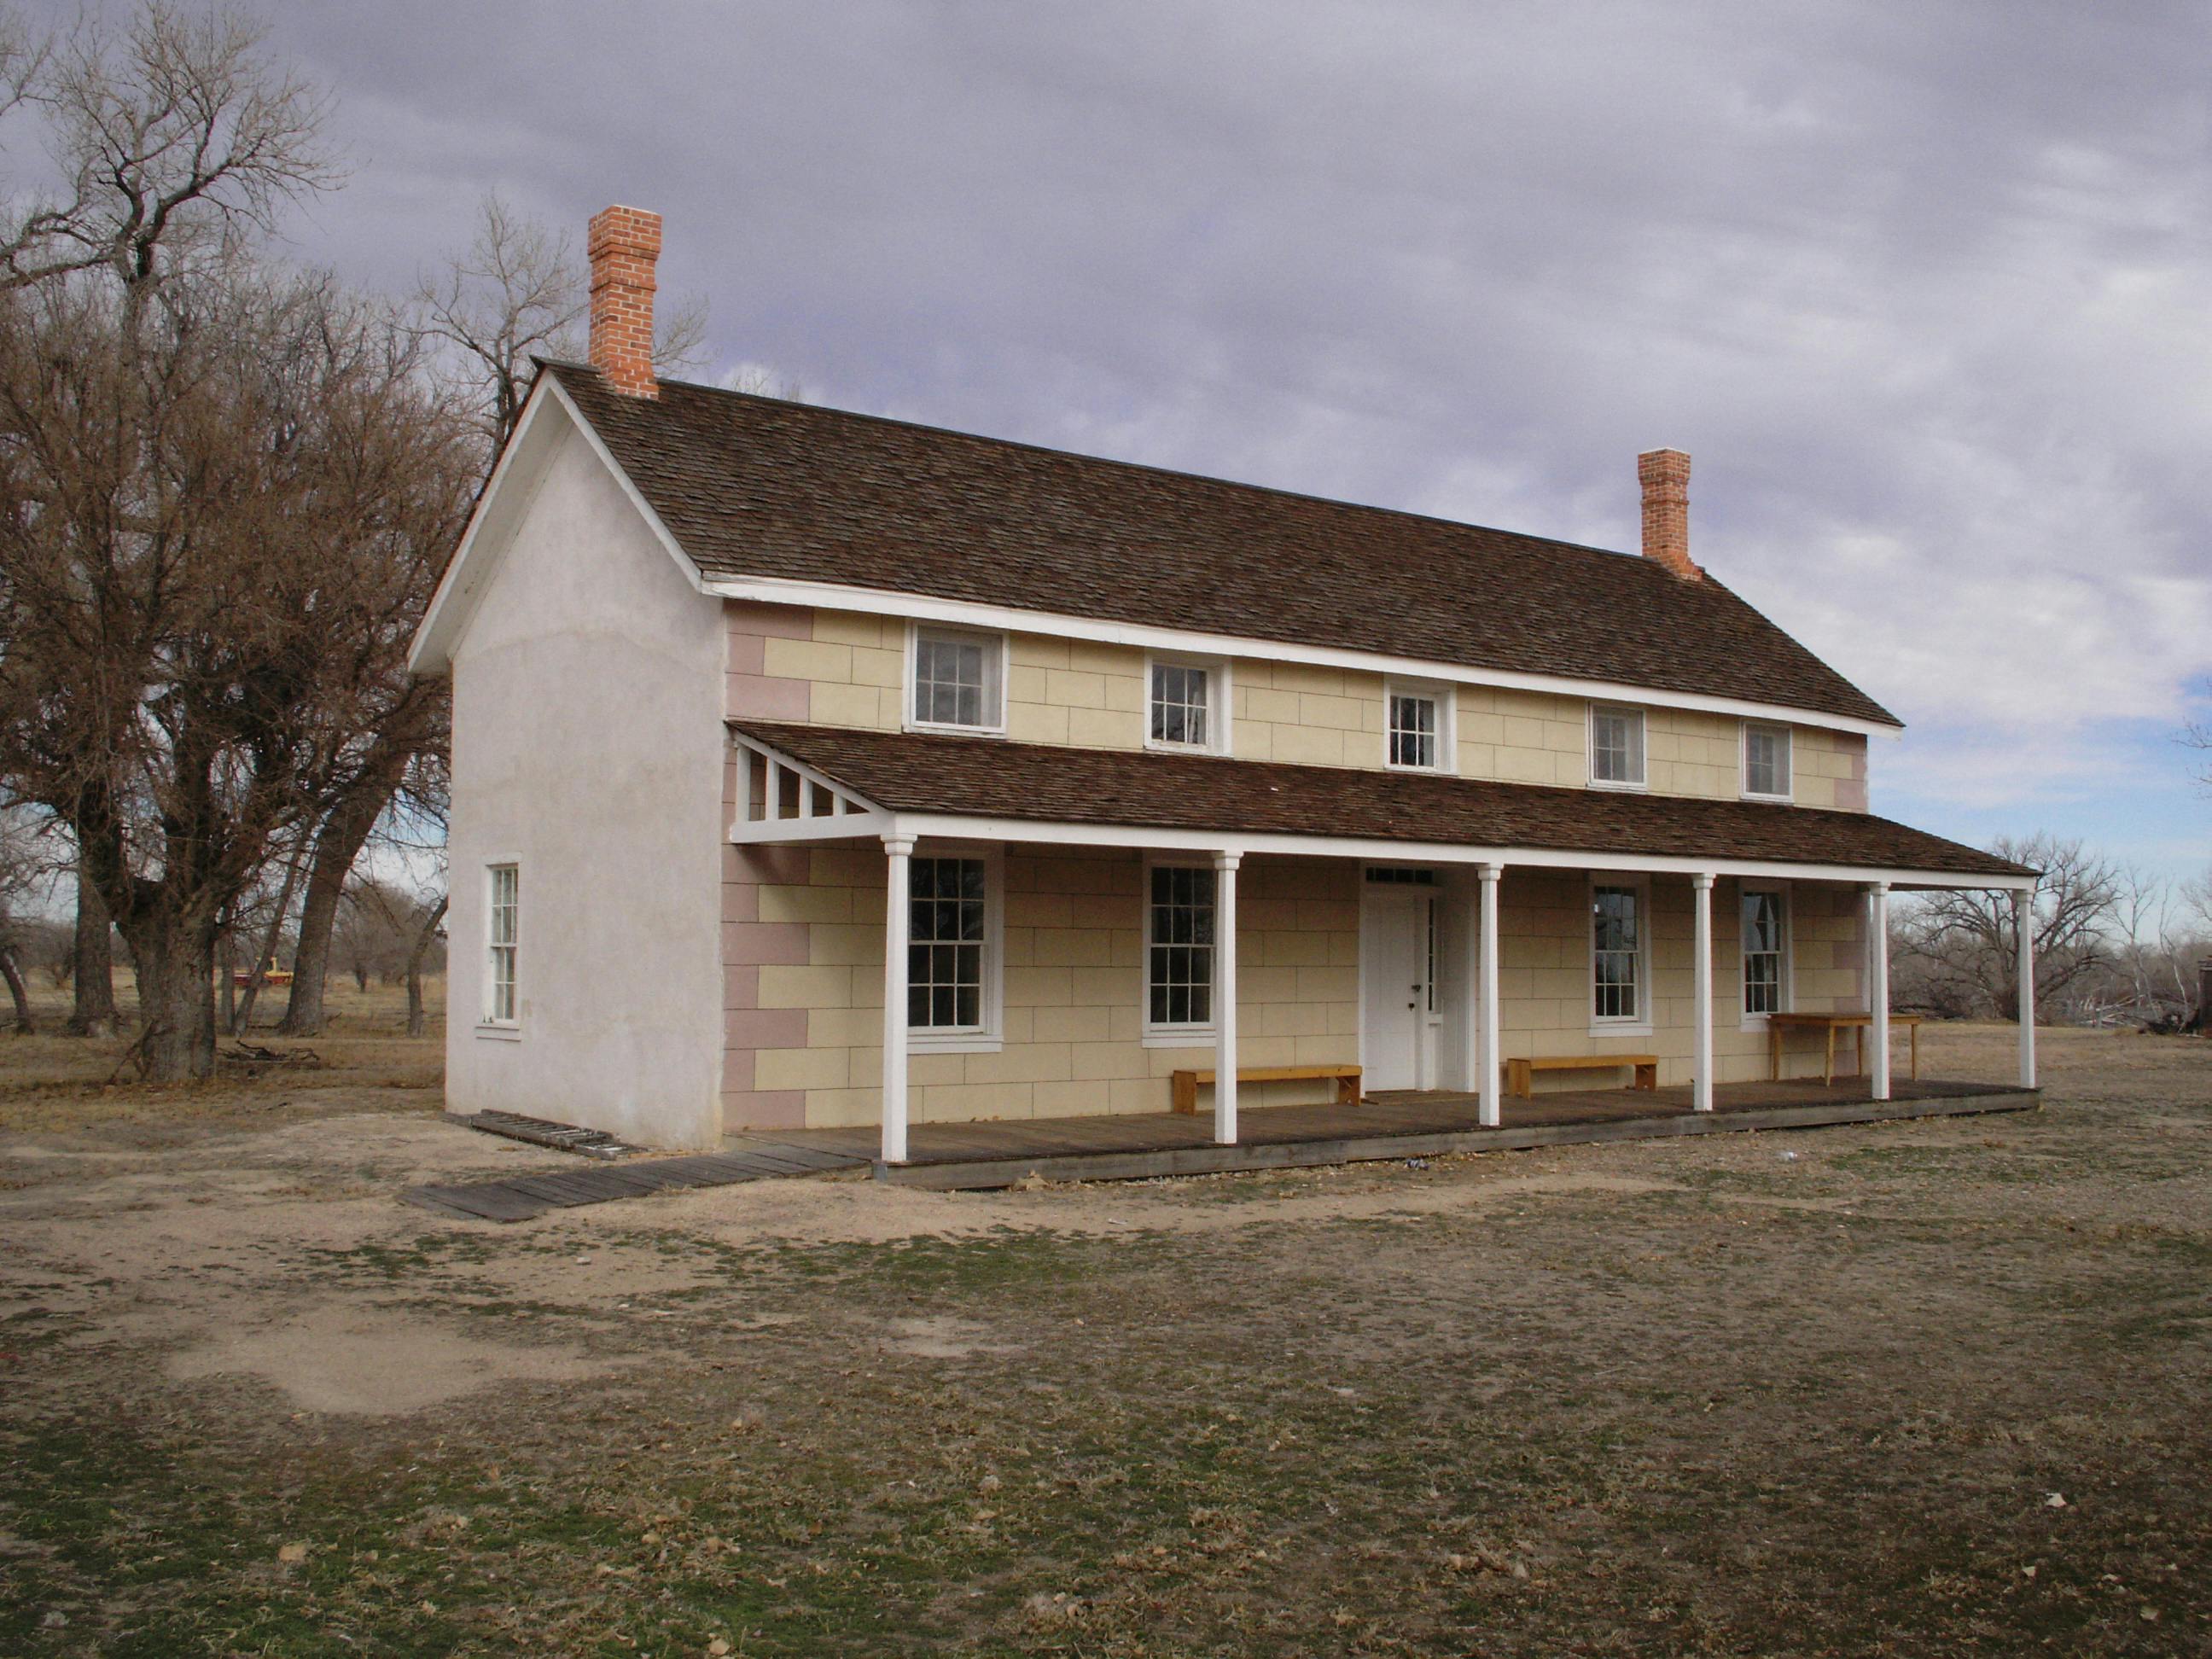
[[1789, 736], [1447, 723], [990, 1036], [997, 648], [1618, 1025], [1159, 1035], [488, 1024], [1786, 991], [1642, 746], [1219, 691]]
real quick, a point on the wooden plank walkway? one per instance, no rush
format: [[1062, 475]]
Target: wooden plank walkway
[[522, 1198], [1409, 1124], [954, 1156]]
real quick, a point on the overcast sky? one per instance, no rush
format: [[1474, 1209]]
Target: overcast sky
[[1926, 290]]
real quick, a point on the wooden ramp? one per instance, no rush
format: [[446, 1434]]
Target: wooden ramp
[[522, 1198]]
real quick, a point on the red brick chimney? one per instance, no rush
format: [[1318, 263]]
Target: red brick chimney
[[1665, 476], [623, 243]]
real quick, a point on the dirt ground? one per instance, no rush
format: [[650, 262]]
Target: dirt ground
[[1919, 1388]]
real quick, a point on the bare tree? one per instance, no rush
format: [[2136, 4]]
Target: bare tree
[[214, 515], [1958, 951], [174, 138], [20, 874]]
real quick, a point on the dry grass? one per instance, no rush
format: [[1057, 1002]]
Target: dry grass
[[1805, 1394]]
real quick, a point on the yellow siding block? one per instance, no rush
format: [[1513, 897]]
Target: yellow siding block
[[807, 659]]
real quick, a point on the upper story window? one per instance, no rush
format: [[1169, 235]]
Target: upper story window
[[1616, 746], [957, 680], [1766, 761], [1416, 726], [1188, 707], [502, 940]]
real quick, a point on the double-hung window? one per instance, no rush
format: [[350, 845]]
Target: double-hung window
[[1417, 727], [1765, 947], [1766, 761], [1186, 705], [502, 939], [957, 680], [1179, 953], [1616, 746], [1619, 960], [950, 991]]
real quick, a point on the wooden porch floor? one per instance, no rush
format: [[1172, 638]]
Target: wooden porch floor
[[1382, 1126]]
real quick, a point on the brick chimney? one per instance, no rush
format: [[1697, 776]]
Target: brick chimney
[[623, 243], [1665, 476]]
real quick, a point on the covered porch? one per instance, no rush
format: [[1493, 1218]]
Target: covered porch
[[1570, 854]]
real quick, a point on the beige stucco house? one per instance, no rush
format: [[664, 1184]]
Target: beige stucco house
[[768, 719]]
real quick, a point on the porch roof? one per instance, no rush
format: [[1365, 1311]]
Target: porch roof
[[990, 779]]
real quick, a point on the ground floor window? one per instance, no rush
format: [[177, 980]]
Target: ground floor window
[[1179, 949], [946, 944], [1765, 919], [1617, 953], [502, 935]]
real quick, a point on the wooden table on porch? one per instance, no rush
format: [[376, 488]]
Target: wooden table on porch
[[1857, 1025]]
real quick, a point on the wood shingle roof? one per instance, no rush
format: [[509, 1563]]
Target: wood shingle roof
[[762, 487]]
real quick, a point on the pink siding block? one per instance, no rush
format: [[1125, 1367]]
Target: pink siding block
[[738, 1072], [756, 696], [782, 622], [740, 901], [1851, 792], [764, 1027], [752, 943], [748, 654], [1847, 954], [740, 987], [781, 866], [774, 1108]]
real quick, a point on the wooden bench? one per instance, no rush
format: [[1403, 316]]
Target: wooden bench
[[1347, 1078], [1517, 1070]]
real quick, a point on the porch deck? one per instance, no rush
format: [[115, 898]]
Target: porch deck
[[956, 1156]]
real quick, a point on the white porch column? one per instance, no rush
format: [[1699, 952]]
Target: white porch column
[[1224, 996], [1701, 1079], [1488, 1111], [2023, 922], [898, 910], [1878, 987]]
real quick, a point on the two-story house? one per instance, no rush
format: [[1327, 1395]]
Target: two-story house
[[812, 769]]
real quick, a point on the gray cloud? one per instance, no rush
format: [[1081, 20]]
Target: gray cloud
[[1923, 289]]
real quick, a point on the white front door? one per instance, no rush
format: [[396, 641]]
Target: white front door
[[1394, 960]]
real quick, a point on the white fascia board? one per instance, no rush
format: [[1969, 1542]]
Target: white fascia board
[[1412, 852], [834, 596], [499, 513]]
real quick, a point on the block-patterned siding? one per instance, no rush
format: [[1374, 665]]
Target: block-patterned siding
[[803, 931], [805, 1029], [1544, 974], [838, 668]]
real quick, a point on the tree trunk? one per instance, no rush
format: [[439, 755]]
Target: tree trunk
[[267, 953], [226, 969], [418, 1020], [92, 1012], [175, 960], [15, 978], [344, 834]]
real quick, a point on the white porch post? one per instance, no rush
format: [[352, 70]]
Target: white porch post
[[1487, 1109], [1878, 986], [898, 909], [2023, 922], [1701, 1083], [1224, 996]]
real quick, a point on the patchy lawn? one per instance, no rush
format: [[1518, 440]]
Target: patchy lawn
[[1911, 1389]]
